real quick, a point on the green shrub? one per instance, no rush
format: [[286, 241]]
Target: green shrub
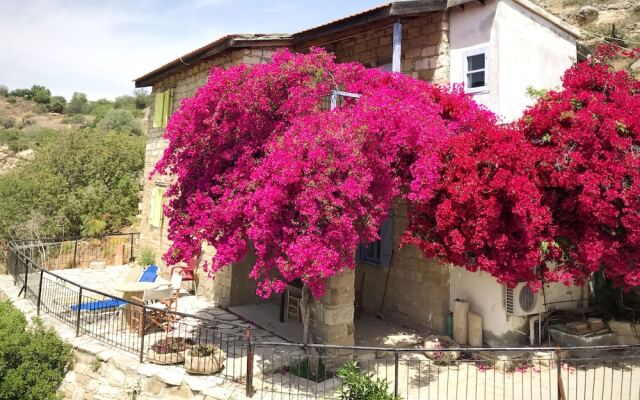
[[14, 139], [57, 104], [33, 360], [147, 256], [26, 93], [7, 122], [4, 91], [357, 385], [121, 121], [75, 179], [11, 99]]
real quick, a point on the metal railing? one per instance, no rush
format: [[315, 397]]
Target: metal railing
[[277, 370]]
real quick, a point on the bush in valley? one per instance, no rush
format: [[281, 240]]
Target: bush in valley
[[33, 360], [57, 104], [4, 91], [121, 121], [22, 139], [78, 104], [83, 181], [357, 385], [11, 100], [7, 122]]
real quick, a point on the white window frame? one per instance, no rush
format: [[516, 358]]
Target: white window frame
[[471, 53]]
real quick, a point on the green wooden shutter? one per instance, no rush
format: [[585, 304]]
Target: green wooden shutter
[[158, 110], [166, 111], [155, 207]]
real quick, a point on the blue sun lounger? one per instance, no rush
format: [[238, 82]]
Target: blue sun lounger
[[148, 275]]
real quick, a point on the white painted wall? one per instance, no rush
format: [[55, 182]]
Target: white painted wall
[[524, 50], [485, 297]]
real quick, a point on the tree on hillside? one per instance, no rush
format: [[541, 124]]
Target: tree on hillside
[[78, 104], [25, 93], [40, 94], [4, 91], [142, 98]]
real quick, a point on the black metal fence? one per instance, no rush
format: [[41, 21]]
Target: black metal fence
[[276, 370]]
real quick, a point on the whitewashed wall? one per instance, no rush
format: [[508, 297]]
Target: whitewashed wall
[[485, 297], [524, 50]]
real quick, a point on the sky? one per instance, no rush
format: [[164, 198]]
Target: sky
[[100, 46]]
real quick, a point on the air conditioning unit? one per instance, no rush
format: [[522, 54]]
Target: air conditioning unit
[[521, 301]]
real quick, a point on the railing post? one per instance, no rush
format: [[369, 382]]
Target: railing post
[[561, 395], [142, 329], [131, 258], [75, 252], [78, 314], [39, 293], [396, 356], [26, 278], [250, 353]]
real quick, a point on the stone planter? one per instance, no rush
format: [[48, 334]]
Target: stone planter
[[204, 365], [437, 343], [165, 358]]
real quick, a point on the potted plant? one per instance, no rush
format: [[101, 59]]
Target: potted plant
[[204, 359], [169, 350]]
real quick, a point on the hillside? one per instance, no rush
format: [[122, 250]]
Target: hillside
[[25, 125], [613, 18]]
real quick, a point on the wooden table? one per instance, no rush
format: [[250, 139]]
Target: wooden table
[[134, 289]]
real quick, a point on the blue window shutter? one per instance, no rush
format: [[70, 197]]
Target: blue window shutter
[[386, 239]]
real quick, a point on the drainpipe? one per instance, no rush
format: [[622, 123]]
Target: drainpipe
[[396, 60]]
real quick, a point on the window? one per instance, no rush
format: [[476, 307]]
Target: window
[[162, 109], [155, 206], [380, 251], [476, 72]]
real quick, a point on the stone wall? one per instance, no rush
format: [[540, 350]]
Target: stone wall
[[418, 288], [425, 47], [185, 85]]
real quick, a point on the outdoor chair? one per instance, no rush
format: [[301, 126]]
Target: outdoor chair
[[188, 272], [158, 301]]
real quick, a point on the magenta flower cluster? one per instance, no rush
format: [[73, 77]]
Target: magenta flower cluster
[[261, 166]]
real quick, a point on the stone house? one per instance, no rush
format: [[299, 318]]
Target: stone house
[[496, 48]]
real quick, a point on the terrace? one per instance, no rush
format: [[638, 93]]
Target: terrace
[[254, 361]]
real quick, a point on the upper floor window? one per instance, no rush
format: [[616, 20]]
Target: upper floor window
[[162, 109], [476, 71]]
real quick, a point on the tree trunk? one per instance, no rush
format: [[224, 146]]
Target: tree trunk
[[312, 352]]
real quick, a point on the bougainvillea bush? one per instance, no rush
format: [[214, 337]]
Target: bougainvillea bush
[[589, 167], [258, 161], [555, 197]]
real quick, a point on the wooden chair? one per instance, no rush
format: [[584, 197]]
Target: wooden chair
[[294, 297], [158, 302]]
